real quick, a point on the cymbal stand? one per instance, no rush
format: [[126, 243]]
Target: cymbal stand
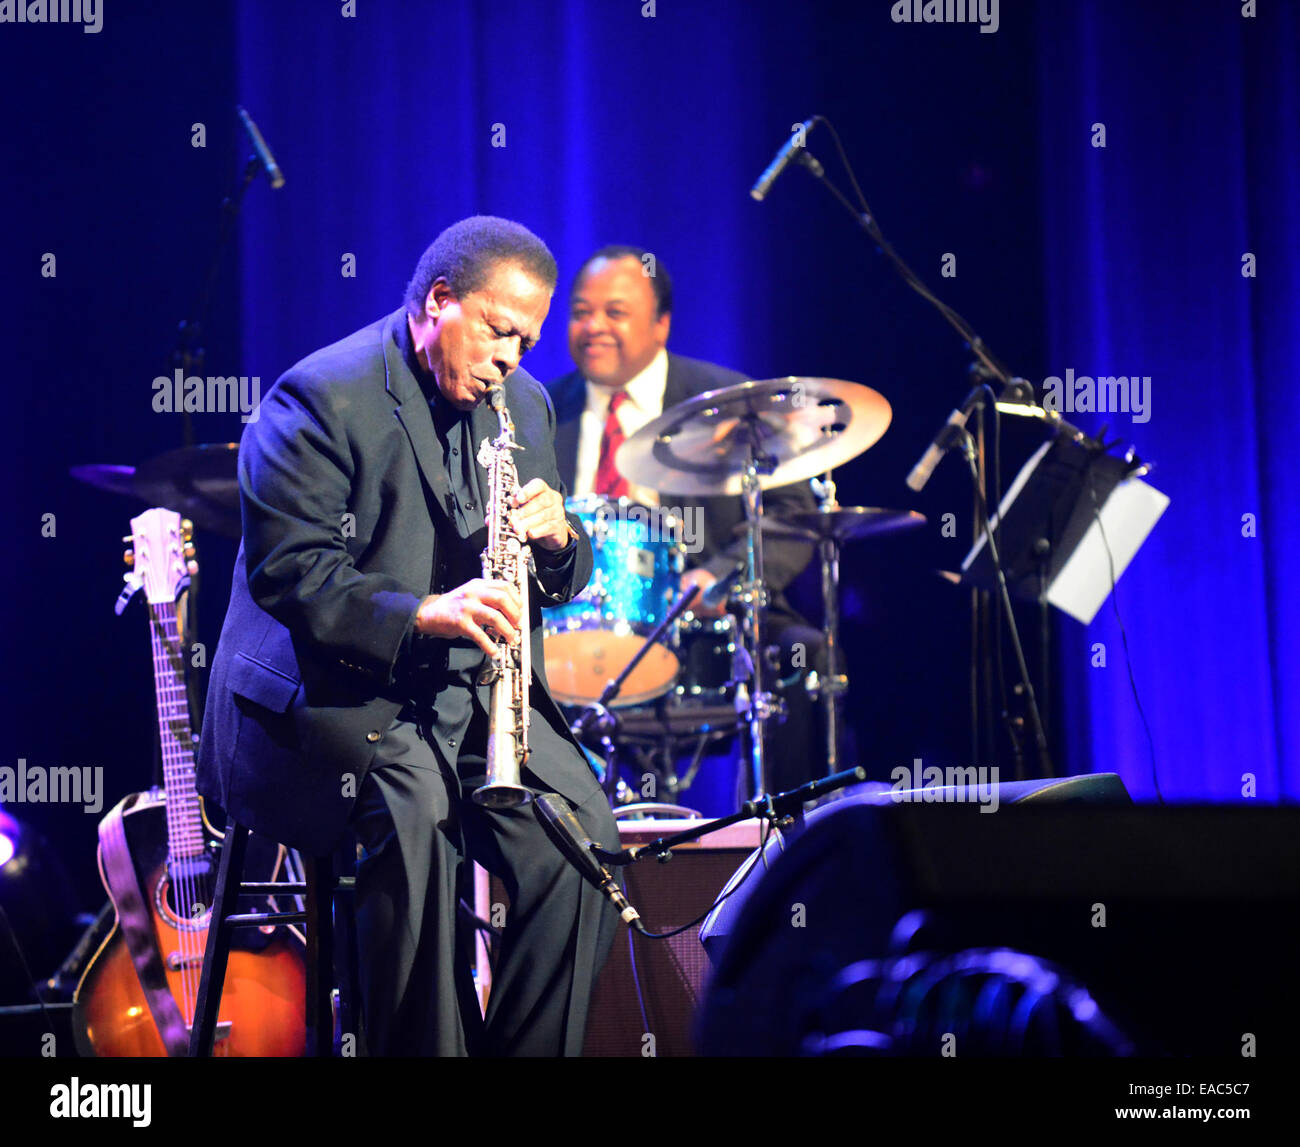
[[830, 687], [758, 705]]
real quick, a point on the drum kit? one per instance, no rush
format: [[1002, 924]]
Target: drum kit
[[644, 673]]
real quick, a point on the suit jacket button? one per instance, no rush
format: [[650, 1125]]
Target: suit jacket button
[[372, 736]]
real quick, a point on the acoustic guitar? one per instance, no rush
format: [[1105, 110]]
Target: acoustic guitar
[[158, 860]]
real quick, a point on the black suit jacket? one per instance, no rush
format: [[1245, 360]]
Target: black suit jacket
[[721, 549], [338, 476]]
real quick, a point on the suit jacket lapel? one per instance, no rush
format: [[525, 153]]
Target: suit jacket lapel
[[570, 398], [675, 389], [413, 411]]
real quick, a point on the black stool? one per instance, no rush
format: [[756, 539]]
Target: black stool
[[327, 953]]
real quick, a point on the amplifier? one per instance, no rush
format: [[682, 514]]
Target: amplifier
[[645, 998]]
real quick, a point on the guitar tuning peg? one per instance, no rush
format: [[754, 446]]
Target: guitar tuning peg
[[188, 550], [127, 539], [187, 529], [129, 558], [193, 567]]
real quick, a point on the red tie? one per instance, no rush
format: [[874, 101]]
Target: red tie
[[608, 480]]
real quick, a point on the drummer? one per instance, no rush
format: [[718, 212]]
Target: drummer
[[620, 312]]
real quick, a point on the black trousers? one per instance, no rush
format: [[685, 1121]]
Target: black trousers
[[416, 825]]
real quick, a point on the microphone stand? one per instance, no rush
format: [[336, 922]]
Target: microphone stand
[[773, 808], [589, 858], [985, 368], [189, 358]]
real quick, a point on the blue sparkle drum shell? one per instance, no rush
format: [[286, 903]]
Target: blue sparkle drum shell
[[638, 560]]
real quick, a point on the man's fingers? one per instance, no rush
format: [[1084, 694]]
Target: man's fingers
[[481, 639], [498, 622], [504, 597], [530, 491], [538, 520]]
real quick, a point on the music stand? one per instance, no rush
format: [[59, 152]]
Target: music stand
[[1047, 530]]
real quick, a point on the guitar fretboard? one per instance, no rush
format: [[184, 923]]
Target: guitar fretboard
[[184, 819]]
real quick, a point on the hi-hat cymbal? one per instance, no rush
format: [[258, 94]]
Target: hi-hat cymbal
[[844, 523], [801, 427], [198, 482]]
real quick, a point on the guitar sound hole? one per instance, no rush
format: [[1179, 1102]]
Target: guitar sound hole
[[184, 895]]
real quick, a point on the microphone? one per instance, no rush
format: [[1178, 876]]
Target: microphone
[[568, 835], [783, 157], [720, 590], [921, 472], [595, 720], [272, 169]]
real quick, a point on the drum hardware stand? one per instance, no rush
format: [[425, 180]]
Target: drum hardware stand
[[736, 440], [828, 690], [597, 721], [759, 706]]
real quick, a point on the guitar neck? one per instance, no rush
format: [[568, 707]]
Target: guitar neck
[[185, 836]]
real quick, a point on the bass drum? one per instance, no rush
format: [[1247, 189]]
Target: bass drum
[[638, 565]]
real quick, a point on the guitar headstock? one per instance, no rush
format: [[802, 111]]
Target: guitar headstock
[[162, 554]]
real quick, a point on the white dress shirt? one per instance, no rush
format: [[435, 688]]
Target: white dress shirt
[[645, 403]]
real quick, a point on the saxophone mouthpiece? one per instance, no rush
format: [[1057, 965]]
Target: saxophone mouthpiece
[[496, 397]]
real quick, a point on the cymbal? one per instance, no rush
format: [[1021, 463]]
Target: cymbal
[[107, 476], [802, 427], [844, 524], [198, 482]]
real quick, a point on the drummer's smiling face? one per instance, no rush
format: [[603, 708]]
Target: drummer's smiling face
[[614, 332]]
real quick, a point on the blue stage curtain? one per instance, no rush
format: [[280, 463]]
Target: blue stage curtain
[[583, 120], [1145, 244]]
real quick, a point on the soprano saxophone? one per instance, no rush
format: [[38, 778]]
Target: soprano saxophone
[[506, 558]]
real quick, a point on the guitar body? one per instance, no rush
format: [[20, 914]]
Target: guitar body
[[262, 1003]]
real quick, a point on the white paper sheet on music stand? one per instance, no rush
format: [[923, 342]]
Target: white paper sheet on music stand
[[1128, 516]]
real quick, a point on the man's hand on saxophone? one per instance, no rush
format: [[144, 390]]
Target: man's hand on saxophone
[[539, 516], [477, 610]]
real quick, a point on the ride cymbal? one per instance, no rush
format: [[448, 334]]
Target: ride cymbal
[[795, 427]]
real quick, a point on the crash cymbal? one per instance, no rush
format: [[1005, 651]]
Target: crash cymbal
[[801, 427], [198, 482], [844, 524]]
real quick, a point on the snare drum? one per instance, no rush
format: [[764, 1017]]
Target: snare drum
[[638, 565]]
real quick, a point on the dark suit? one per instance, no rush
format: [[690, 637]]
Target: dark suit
[[344, 486], [720, 551]]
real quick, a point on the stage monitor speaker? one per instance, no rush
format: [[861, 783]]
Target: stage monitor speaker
[[1092, 788], [1041, 929]]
